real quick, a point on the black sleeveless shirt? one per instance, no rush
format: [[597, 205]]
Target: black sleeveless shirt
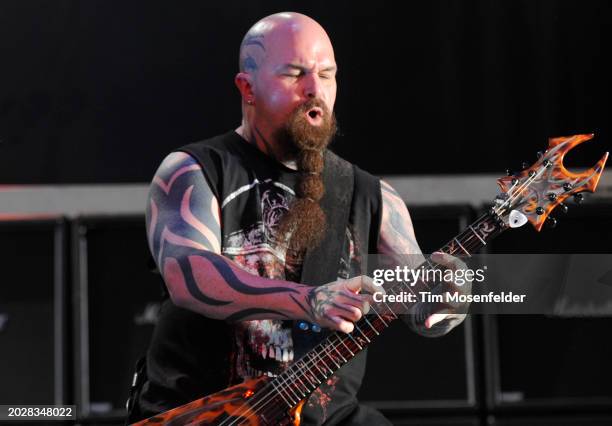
[[190, 355]]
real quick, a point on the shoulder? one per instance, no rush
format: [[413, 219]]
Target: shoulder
[[362, 177], [218, 144]]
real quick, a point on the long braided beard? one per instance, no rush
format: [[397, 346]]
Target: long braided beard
[[304, 224]]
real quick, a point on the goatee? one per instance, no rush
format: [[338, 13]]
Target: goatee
[[305, 221]]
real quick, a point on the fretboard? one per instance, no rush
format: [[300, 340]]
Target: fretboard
[[300, 379]]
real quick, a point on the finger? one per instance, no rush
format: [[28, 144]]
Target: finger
[[368, 286], [354, 284], [366, 307], [447, 260], [368, 301], [349, 312], [341, 324], [353, 302]]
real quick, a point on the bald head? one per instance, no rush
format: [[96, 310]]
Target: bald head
[[286, 63], [279, 31]]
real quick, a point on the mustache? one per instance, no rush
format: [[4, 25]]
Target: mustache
[[313, 103]]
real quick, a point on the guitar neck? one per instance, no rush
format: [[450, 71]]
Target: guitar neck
[[315, 367]]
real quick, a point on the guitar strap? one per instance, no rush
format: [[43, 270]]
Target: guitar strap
[[321, 263]]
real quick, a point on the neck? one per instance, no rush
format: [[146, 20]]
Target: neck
[[266, 143]]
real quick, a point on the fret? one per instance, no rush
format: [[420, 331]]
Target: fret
[[378, 315], [308, 390], [305, 374], [310, 371], [366, 337], [408, 286], [323, 361], [314, 376], [291, 372], [478, 236], [365, 318], [347, 348], [281, 395], [317, 367], [403, 304], [330, 356], [463, 248], [340, 353], [389, 308], [354, 341], [296, 395]]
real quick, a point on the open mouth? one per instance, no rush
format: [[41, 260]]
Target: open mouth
[[315, 116]]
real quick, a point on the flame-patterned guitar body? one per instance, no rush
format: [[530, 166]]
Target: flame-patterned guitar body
[[231, 406]]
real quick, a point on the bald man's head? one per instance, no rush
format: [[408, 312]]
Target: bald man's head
[[287, 25]]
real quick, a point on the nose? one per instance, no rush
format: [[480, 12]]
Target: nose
[[312, 86]]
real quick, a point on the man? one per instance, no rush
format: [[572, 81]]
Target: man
[[233, 220]]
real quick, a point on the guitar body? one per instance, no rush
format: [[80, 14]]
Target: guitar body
[[231, 405]]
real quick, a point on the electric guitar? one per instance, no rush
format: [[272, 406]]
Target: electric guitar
[[527, 196]]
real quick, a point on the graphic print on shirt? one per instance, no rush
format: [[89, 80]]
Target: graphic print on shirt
[[266, 347], [263, 347]]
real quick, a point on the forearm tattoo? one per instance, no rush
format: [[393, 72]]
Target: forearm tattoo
[[183, 230], [396, 233], [396, 238]]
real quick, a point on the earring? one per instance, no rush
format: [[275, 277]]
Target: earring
[[250, 101]]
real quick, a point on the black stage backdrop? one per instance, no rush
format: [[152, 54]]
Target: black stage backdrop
[[99, 91]]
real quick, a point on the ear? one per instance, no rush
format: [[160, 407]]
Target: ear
[[244, 83]]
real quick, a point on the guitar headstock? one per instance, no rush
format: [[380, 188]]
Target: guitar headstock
[[532, 194]]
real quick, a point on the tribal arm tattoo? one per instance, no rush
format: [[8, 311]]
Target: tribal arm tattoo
[[398, 244], [184, 236]]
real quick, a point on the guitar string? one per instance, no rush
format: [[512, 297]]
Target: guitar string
[[467, 240], [266, 398], [334, 346], [523, 186], [327, 346]]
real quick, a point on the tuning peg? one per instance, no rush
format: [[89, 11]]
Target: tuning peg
[[551, 222], [578, 198], [563, 208], [539, 154], [539, 211], [524, 165], [552, 196], [509, 172], [567, 186]]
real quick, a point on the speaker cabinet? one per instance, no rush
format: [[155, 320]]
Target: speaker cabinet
[[117, 300], [32, 308], [410, 373], [551, 363]]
